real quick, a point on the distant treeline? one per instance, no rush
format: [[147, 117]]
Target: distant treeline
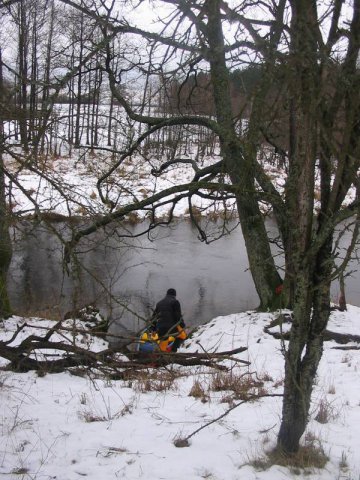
[[194, 94]]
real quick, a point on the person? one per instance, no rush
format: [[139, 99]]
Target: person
[[167, 319]]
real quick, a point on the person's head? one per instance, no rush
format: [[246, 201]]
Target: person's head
[[171, 292]]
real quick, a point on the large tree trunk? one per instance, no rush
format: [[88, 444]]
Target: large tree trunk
[[261, 262], [313, 290], [297, 394], [240, 167], [309, 264]]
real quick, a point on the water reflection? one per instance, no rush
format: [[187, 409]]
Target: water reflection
[[211, 280]]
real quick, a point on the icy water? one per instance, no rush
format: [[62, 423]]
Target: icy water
[[128, 276]]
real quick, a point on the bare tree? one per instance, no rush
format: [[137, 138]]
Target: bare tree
[[305, 108]]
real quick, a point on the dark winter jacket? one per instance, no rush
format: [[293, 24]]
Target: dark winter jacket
[[167, 315]]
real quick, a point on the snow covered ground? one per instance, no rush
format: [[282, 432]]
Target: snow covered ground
[[65, 427]]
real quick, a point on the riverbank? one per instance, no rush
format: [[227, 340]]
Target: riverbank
[[66, 186]]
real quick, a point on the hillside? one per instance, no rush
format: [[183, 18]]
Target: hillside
[[69, 427]]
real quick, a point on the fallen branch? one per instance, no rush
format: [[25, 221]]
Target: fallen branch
[[31, 354], [184, 442], [92, 331], [341, 338]]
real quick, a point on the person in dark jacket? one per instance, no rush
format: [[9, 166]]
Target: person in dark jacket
[[167, 317]]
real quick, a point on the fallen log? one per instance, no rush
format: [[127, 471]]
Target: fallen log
[[341, 338], [328, 335], [351, 347], [31, 354]]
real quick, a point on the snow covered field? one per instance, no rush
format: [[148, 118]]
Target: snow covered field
[[67, 185], [65, 427]]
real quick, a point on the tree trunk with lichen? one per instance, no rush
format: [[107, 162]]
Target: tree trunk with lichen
[[305, 348], [239, 166], [308, 264]]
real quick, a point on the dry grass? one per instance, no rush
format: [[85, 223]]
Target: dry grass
[[326, 412], [343, 464], [198, 391], [310, 438], [214, 215], [332, 390], [345, 359], [20, 471], [195, 211], [265, 377], [156, 381], [242, 386], [133, 218], [308, 457], [90, 417], [144, 192], [305, 460], [278, 383]]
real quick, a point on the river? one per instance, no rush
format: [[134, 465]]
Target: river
[[124, 277]]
